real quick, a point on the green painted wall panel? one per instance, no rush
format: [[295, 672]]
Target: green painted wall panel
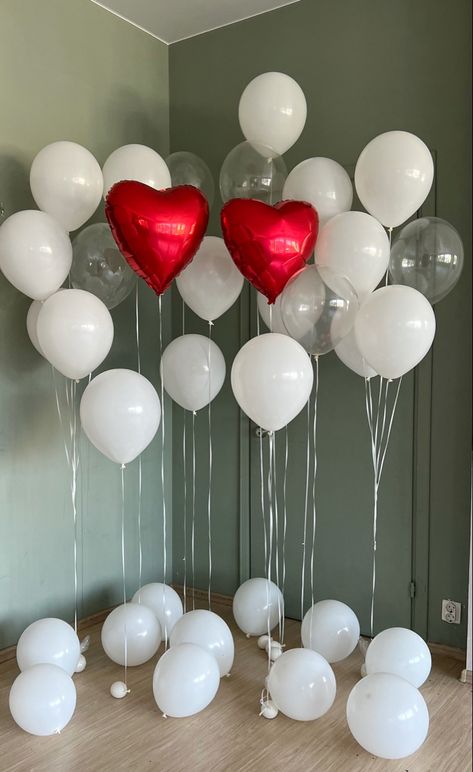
[[70, 71], [366, 67]]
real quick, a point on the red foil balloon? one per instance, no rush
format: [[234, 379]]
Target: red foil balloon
[[158, 232], [269, 244]]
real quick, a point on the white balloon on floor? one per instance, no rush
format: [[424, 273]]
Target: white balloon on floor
[[257, 605], [211, 283], [120, 413], [135, 625], [185, 680], [163, 601], [302, 684], [193, 371], [394, 330], [273, 111], [210, 632], [35, 253], [323, 183], [135, 162], [42, 699], [75, 332], [401, 652], [332, 629], [387, 716], [272, 379], [48, 641], [66, 181]]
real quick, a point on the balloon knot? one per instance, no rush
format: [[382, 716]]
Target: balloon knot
[[227, 675], [194, 412], [164, 715], [211, 324], [123, 466]]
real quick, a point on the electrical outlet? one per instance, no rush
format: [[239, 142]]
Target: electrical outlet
[[451, 612]]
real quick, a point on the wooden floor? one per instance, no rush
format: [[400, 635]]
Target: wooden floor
[[107, 734]]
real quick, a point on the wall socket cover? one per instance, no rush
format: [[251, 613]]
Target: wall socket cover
[[451, 612]]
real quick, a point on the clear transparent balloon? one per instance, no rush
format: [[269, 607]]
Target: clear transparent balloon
[[253, 171], [428, 256], [188, 169], [98, 266], [318, 309]]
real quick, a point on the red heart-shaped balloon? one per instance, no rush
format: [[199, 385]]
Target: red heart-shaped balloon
[[158, 232], [269, 244]]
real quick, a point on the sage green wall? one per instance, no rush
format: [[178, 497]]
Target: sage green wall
[[366, 67], [70, 70]]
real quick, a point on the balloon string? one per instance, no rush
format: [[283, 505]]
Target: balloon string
[[271, 317], [270, 550], [74, 469], [140, 476], [379, 447], [276, 533], [193, 512], [284, 502], [209, 498], [306, 509], [184, 467], [314, 478], [263, 513], [390, 234], [258, 321], [122, 471], [163, 490]]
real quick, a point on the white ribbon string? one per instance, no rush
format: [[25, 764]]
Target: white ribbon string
[[276, 534], [314, 479], [209, 497], [306, 508], [140, 476], [270, 550], [163, 431], [122, 470], [184, 466], [193, 512], [390, 235], [284, 499], [379, 447]]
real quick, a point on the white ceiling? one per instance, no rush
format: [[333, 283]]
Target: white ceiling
[[173, 20]]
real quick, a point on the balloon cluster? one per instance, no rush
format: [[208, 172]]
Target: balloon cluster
[[272, 223], [386, 713]]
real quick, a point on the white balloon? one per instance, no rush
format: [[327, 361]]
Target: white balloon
[[75, 332], [211, 283], [210, 632], [263, 641], [268, 709], [302, 684], [394, 330], [271, 314], [349, 353], [66, 182], [193, 371], [138, 626], [35, 253], [354, 245], [275, 650], [258, 604], [393, 176], [332, 629], [42, 699], [185, 681], [323, 183], [135, 162], [48, 641], [387, 716], [273, 111], [272, 379], [120, 413], [31, 319], [401, 652], [163, 601]]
